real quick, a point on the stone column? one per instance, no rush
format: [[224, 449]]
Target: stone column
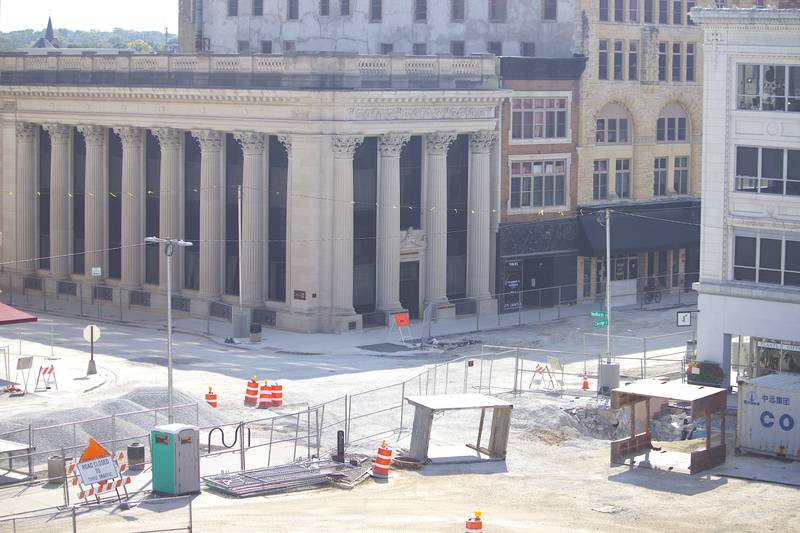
[[254, 234], [478, 227], [60, 204], [436, 217], [170, 206], [388, 256], [212, 213], [95, 206], [133, 206], [344, 148], [26, 196]]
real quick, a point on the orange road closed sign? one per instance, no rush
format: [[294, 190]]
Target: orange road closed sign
[[96, 464], [401, 320]]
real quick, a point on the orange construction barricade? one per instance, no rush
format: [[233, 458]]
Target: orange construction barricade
[[475, 523], [380, 469], [211, 398], [251, 395], [277, 395], [265, 395]]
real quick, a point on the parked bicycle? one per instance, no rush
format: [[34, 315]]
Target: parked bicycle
[[651, 293]]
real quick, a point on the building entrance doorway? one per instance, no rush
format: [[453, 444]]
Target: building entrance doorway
[[409, 287], [538, 283]]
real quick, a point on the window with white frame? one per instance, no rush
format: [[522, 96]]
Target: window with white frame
[[549, 9], [258, 8], [680, 172], [538, 183], [767, 259], [672, 124], [497, 10], [622, 182], [769, 87], [633, 11], [344, 7], [375, 10], [292, 9], [457, 10], [600, 180], [612, 125], [233, 8], [768, 170], [324, 8], [420, 10], [660, 176], [535, 118]]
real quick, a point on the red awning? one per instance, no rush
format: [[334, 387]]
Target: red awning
[[9, 315]]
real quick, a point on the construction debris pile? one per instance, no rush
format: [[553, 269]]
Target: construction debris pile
[[305, 474]]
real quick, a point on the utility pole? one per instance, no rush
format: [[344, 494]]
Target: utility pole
[[169, 249], [608, 285]]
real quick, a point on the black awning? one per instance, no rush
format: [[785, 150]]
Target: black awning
[[636, 229]]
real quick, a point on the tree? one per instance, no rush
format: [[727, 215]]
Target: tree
[[139, 45]]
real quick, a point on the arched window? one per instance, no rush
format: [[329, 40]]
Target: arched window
[[672, 125], [613, 125]]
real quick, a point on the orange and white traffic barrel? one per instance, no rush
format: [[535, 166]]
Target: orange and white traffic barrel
[[474, 523], [251, 395], [265, 396], [211, 398], [380, 469], [277, 395]]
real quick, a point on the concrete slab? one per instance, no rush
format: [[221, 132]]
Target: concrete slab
[[760, 469]]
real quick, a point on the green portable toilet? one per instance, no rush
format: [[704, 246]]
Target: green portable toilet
[[175, 450]]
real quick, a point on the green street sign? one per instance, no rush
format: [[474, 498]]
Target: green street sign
[[598, 314], [599, 323]]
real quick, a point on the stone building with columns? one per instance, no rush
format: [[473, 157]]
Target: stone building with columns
[[366, 182]]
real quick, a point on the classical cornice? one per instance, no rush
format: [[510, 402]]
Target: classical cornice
[[748, 19]]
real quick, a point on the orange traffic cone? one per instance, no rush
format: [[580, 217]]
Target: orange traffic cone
[[585, 381], [475, 523], [211, 398], [251, 395]]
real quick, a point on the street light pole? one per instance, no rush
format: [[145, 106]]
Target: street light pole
[[169, 250], [608, 285]]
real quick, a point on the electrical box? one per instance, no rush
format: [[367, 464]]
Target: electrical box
[[175, 450]]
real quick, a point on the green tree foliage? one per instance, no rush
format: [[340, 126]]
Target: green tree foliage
[[139, 41]]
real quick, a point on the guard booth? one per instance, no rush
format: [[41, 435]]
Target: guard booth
[[175, 450]]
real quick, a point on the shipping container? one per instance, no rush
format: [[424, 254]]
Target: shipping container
[[768, 417]]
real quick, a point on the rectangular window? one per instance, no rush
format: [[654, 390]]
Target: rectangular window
[[457, 10], [619, 10], [538, 118], [550, 10], [495, 48], [420, 49], [660, 176], [288, 47], [420, 10], [744, 258], [538, 183], [689, 5], [769, 87], [663, 11], [677, 12], [633, 11], [375, 10], [497, 10], [344, 7], [527, 49], [676, 61], [648, 11], [244, 47], [623, 178], [681, 175], [600, 180], [768, 170], [387, 48], [618, 59], [662, 61], [719, 3], [292, 9], [457, 48], [602, 59], [633, 60], [603, 13], [324, 8], [266, 47], [661, 130], [258, 8], [233, 8], [689, 61], [611, 130], [766, 260]]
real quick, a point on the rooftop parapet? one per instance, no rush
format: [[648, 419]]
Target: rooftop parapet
[[295, 71]]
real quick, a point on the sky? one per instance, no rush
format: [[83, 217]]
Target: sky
[[105, 15]]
